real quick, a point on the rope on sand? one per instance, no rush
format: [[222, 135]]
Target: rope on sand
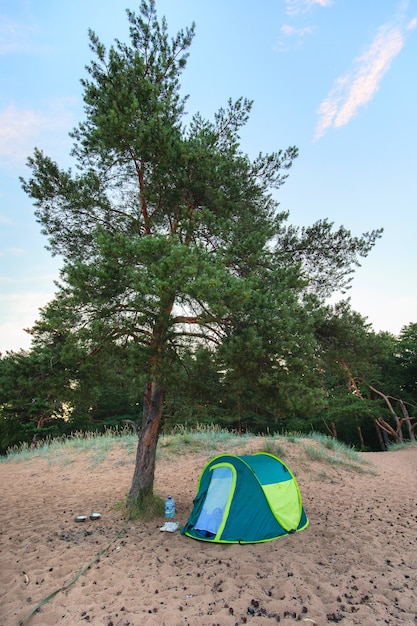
[[73, 580]]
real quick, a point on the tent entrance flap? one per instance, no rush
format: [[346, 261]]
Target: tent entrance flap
[[218, 494]]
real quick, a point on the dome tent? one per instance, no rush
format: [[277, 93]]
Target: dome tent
[[245, 499]]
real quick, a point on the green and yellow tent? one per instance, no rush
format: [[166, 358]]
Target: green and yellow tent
[[245, 499]]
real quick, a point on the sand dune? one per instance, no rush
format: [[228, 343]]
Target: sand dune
[[356, 563]]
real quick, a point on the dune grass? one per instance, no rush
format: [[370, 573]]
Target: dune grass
[[204, 440], [324, 449], [62, 448]]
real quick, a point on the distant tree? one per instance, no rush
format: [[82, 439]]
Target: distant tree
[[361, 375], [169, 234], [97, 384], [31, 400], [407, 359]]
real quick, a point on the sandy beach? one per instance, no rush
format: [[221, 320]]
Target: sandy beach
[[356, 563]]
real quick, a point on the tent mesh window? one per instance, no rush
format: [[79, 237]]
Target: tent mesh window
[[217, 497]]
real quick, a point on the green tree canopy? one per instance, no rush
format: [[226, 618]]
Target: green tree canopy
[[170, 234], [407, 358]]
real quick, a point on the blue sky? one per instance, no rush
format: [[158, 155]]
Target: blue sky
[[336, 78]]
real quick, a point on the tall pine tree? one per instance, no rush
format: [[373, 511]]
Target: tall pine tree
[[168, 232]]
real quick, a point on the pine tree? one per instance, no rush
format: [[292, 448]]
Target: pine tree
[[168, 231]]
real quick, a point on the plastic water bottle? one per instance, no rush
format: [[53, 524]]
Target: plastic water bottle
[[169, 507]]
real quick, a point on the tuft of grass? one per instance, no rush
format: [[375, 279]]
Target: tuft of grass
[[98, 443], [202, 439], [272, 446], [330, 443], [401, 445], [149, 508], [293, 436], [328, 450], [316, 453]]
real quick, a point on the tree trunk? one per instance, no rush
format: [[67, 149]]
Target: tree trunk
[[361, 437], [143, 477], [391, 409], [407, 421], [379, 435]]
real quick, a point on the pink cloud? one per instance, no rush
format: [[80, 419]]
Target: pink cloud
[[358, 87]]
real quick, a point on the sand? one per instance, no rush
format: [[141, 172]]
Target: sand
[[356, 563]]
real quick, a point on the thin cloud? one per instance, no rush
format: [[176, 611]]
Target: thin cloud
[[14, 36], [291, 31], [294, 7], [297, 34], [412, 25], [12, 252], [21, 129], [294, 37], [17, 128], [358, 87]]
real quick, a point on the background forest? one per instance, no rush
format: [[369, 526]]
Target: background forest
[[354, 384]]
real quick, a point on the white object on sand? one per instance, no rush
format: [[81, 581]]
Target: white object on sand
[[170, 527]]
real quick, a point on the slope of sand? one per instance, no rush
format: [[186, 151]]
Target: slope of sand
[[356, 563]]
